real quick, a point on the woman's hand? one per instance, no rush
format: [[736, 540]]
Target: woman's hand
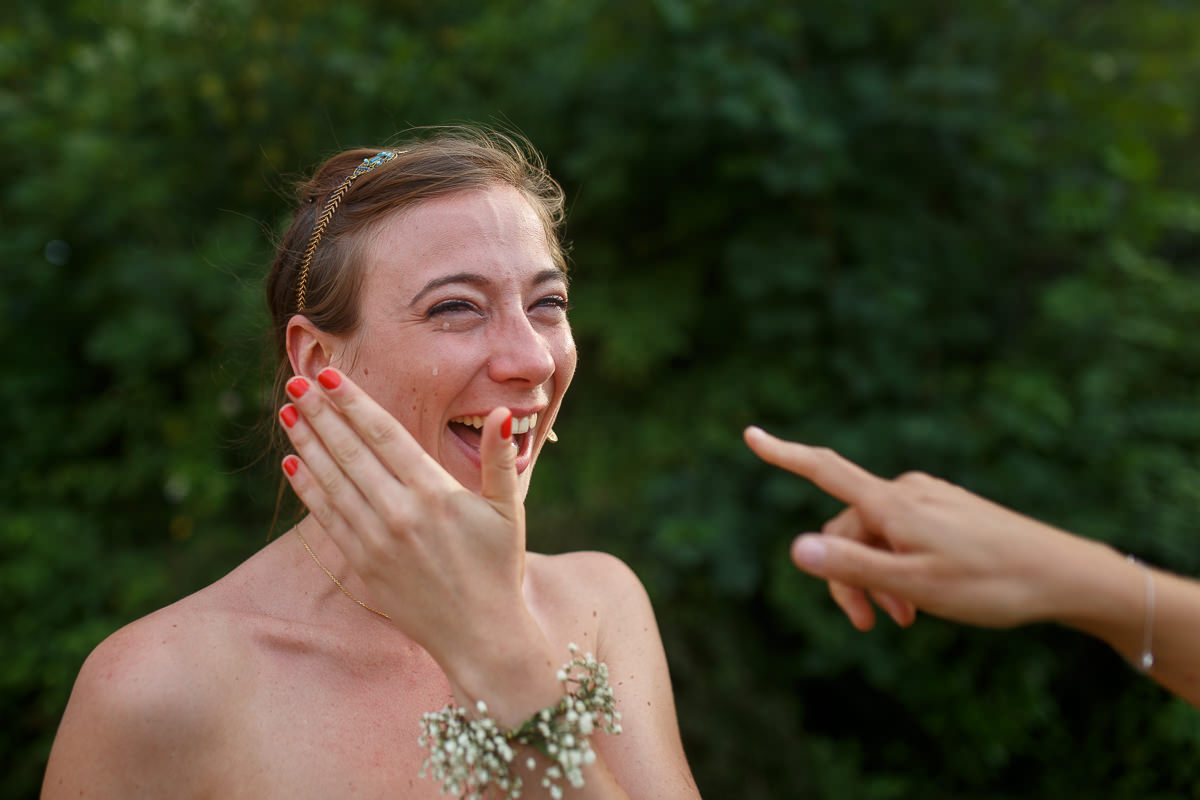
[[447, 565], [921, 542]]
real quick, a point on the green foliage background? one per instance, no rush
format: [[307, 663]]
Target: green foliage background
[[956, 237]]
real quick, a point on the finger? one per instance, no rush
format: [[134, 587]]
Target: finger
[[314, 499], [346, 455], [499, 456], [837, 558], [338, 437], [852, 599], [902, 612], [849, 524], [854, 603], [382, 433], [836, 475], [324, 487]]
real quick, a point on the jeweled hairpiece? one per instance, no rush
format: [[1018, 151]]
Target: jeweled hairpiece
[[335, 199]]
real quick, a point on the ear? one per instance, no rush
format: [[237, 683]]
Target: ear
[[309, 348]]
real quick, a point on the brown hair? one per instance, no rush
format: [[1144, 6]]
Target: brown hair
[[439, 162], [435, 163]]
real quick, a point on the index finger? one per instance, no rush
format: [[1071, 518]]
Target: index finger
[[384, 435], [836, 475]]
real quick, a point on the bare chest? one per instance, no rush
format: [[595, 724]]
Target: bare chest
[[329, 722], [333, 709]]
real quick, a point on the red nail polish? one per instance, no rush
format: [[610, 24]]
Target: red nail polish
[[297, 386], [329, 378], [290, 465], [506, 427], [288, 415]]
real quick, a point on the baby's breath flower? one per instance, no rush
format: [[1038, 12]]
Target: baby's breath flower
[[470, 755]]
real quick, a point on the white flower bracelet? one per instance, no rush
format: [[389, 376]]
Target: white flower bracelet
[[470, 755]]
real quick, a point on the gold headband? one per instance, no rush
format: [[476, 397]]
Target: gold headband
[[335, 199]]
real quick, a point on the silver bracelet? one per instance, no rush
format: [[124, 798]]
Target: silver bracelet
[[1146, 661]]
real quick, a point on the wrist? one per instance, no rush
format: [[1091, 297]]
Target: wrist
[[511, 670], [1103, 594], [470, 754]]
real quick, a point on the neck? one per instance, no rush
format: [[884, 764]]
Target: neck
[[327, 558]]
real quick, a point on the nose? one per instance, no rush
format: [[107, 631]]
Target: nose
[[519, 353]]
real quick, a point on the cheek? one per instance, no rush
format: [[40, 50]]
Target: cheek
[[565, 365], [390, 383]]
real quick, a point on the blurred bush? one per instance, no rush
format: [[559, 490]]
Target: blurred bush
[[958, 238]]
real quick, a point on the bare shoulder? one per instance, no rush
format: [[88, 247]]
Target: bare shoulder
[[144, 664], [597, 580], [589, 570], [601, 589], [598, 588], [146, 698]]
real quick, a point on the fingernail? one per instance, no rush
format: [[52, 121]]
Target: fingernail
[[506, 427], [290, 465], [808, 552], [288, 415], [329, 378], [297, 386]]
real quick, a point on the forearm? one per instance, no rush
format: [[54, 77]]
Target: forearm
[[957, 555], [511, 669], [1106, 595]]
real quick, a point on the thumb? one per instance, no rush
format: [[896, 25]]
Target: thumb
[[837, 558], [499, 457]]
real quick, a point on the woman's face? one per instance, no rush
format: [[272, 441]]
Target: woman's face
[[464, 310]]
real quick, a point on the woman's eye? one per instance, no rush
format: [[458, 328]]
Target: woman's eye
[[450, 307], [554, 301]]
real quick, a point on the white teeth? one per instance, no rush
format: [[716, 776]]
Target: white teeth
[[520, 424]]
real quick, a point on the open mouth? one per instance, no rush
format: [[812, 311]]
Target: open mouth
[[470, 430]]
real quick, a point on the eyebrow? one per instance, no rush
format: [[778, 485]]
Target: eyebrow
[[478, 279]]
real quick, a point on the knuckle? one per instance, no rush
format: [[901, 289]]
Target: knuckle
[[346, 451], [313, 411], [333, 482], [825, 461], [380, 433], [324, 514], [824, 458], [456, 506], [393, 512], [915, 479]]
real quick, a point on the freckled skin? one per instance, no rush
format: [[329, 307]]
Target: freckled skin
[[270, 682], [496, 339]]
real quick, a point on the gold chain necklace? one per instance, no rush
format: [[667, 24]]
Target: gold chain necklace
[[333, 577]]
